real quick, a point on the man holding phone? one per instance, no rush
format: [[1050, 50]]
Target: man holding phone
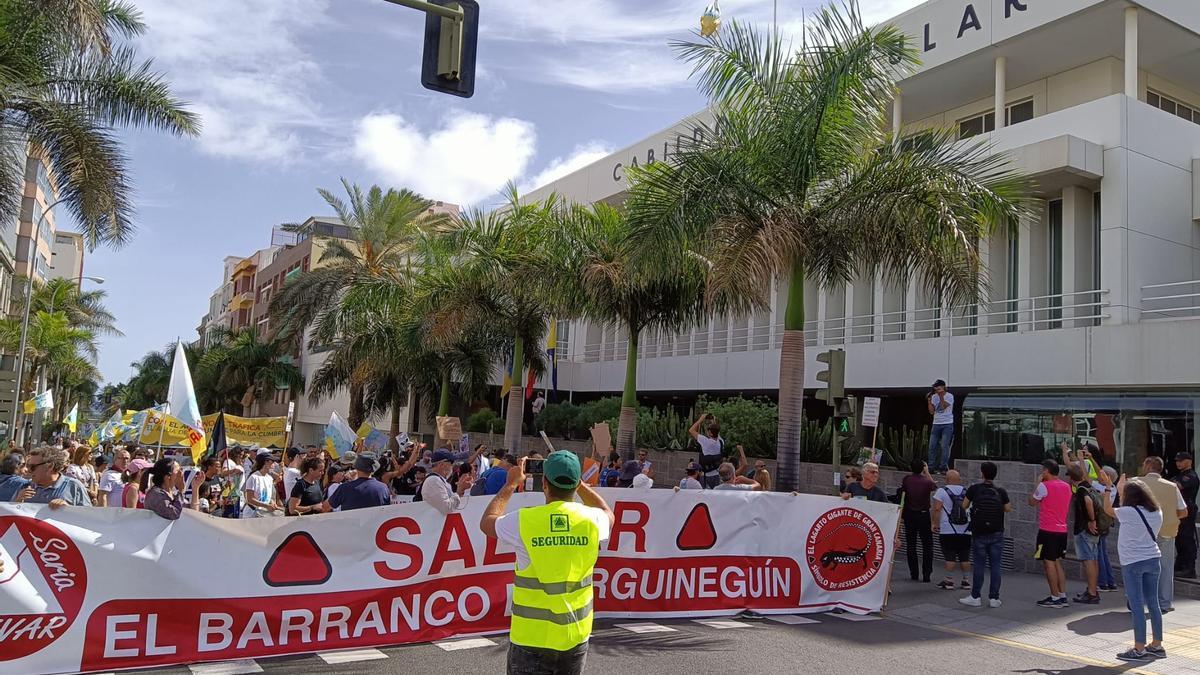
[[437, 491], [712, 449], [941, 434]]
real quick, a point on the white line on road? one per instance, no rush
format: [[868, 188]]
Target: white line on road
[[351, 656], [721, 624], [646, 628], [791, 619], [857, 617], [226, 668], [469, 643]]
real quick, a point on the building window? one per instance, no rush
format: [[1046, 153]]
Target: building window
[[1016, 113], [1167, 104], [1054, 252], [1013, 286], [1096, 222], [43, 181]]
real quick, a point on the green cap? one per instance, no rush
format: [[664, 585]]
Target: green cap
[[562, 470]]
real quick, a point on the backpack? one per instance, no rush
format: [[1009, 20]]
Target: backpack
[[987, 510], [713, 462], [1104, 522], [958, 514]]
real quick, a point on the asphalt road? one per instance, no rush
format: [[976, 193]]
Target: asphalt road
[[831, 644]]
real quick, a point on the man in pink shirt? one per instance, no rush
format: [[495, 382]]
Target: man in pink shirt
[[1052, 497]]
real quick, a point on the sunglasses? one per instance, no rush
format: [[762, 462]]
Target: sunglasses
[[31, 467]]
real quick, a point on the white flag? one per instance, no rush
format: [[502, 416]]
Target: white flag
[[181, 397]]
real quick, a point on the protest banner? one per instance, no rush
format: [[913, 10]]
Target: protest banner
[[449, 428], [73, 591], [265, 432], [602, 438]]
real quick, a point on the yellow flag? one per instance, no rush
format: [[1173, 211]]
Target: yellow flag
[[30, 406]]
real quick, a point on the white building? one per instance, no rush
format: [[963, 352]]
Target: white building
[[66, 256], [1092, 327]]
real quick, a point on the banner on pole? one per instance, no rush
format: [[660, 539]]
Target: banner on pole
[[73, 595], [265, 432], [870, 411]]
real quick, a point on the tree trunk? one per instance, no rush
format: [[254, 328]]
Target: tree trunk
[[627, 423], [394, 428], [357, 411], [444, 397], [791, 386], [516, 400]]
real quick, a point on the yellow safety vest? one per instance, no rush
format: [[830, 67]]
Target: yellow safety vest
[[552, 597]]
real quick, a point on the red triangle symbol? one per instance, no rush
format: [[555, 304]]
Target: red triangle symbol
[[697, 533], [297, 562]]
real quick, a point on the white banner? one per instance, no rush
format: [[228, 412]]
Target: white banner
[[91, 589]]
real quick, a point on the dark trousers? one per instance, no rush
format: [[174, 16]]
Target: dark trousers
[[537, 661], [1185, 546], [986, 550], [918, 524]]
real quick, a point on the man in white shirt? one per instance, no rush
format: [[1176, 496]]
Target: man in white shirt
[[712, 448], [941, 434], [692, 480], [291, 473], [730, 480], [436, 490], [111, 484]]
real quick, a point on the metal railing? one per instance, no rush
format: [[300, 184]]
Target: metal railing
[[1166, 302]]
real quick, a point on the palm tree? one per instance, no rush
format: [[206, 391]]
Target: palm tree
[[604, 277], [151, 380], [800, 177], [387, 228], [84, 309], [244, 363], [52, 343], [65, 80]]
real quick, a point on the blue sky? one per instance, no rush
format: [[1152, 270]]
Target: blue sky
[[295, 94]]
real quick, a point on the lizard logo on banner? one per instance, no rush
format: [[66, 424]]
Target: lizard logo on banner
[[42, 584], [844, 549]]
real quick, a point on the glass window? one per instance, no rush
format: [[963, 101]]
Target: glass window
[[1054, 252], [1013, 280], [977, 125], [1152, 98], [1018, 112], [43, 181]]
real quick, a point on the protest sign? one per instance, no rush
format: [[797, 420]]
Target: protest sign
[[449, 428]]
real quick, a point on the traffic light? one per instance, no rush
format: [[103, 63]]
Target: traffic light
[[834, 376], [845, 408], [448, 60]]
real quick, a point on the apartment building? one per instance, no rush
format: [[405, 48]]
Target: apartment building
[[1090, 330], [66, 256]]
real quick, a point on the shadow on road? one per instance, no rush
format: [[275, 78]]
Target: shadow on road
[[1108, 622]]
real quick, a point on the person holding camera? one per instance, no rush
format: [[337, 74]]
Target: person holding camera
[[941, 434], [712, 448]]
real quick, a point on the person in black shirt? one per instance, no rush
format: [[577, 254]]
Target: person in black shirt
[[1087, 536], [988, 504], [1185, 541], [307, 494], [867, 488]]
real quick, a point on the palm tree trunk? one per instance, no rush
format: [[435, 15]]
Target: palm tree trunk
[[394, 429], [791, 385], [444, 394], [357, 410], [627, 423], [516, 399]]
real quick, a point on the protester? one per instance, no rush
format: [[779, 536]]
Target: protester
[[112, 485], [629, 470], [165, 496], [1141, 521], [987, 504], [138, 452], [611, 471], [712, 448], [1087, 533], [1108, 581], [1174, 510], [852, 475], [692, 480], [258, 491], [730, 480], [437, 491], [493, 479], [916, 489], [292, 470], [47, 482], [867, 487], [306, 496], [952, 524], [133, 493], [12, 476], [1052, 497], [556, 548], [642, 482], [82, 470], [1185, 541], [198, 481], [644, 464], [941, 434], [364, 491]]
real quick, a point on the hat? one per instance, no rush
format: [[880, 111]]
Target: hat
[[367, 462], [693, 468], [561, 469], [1182, 455], [441, 455], [643, 482], [138, 465], [630, 470], [348, 458]]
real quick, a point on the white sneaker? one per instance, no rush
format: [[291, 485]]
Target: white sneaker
[[994, 603], [970, 601]]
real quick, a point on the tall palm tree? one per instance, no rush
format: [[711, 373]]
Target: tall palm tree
[[243, 362], [800, 177], [151, 380], [84, 309], [602, 274], [66, 79], [52, 343]]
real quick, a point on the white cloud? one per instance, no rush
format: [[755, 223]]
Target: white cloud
[[558, 167], [467, 160], [244, 67]]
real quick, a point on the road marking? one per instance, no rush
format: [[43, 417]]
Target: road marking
[[226, 668], [468, 643], [721, 624], [857, 617], [1110, 665], [351, 656], [646, 628], [791, 619]]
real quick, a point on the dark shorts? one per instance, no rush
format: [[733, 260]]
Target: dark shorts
[[534, 661], [1050, 545], [956, 547]]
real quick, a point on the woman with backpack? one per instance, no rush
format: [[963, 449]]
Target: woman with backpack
[[1140, 519]]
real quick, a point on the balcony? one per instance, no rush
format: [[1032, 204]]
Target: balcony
[[1171, 302]]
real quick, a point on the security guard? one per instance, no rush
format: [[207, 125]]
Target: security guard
[[557, 545]]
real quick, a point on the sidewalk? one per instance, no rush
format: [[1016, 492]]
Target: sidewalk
[[1094, 633]]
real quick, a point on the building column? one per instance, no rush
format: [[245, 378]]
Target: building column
[[985, 297], [910, 308], [877, 304], [849, 313], [897, 115], [1076, 252], [1001, 90], [1131, 52], [1025, 273], [822, 302]]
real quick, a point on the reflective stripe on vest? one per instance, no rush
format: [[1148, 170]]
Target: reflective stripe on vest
[[552, 597]]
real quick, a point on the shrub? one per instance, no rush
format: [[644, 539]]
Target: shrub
[[483, 421], [752, 422], [660, 430], [601, 410], [558, 419]]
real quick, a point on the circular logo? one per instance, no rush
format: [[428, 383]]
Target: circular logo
[[42, 584], [844, 549]]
